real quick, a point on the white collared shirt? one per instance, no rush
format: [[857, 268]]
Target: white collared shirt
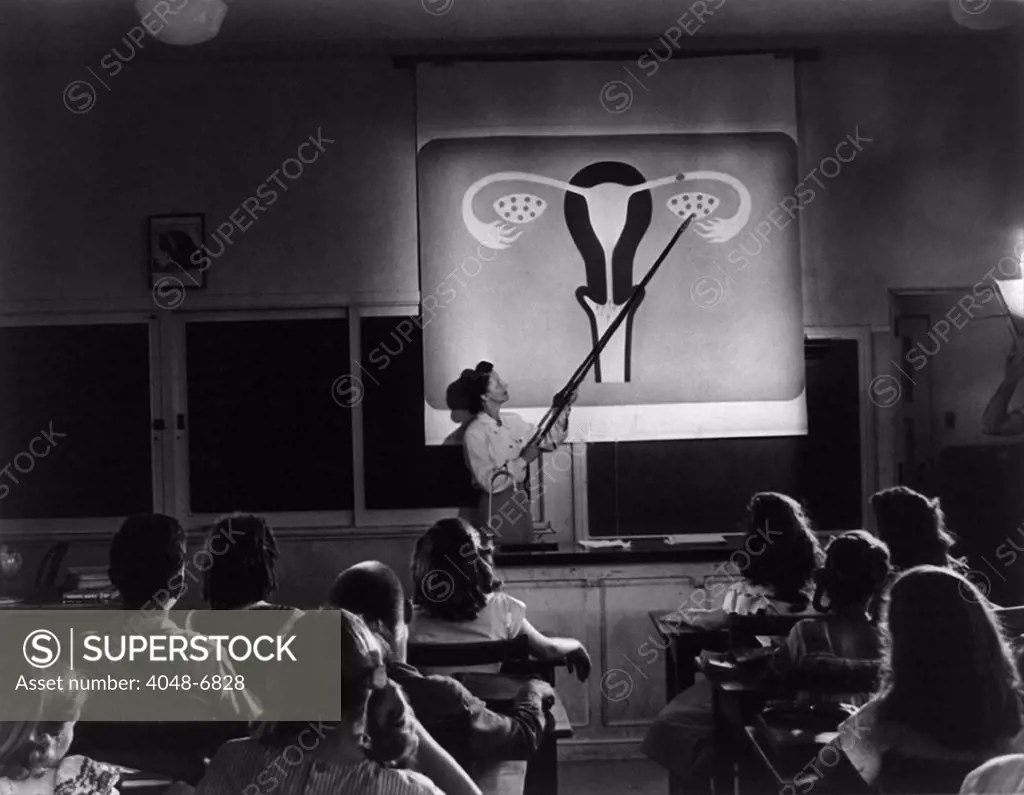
[[489, 446]]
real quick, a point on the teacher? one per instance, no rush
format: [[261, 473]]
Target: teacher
[[497, 455]]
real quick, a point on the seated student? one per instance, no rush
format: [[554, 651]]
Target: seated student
[[458, 599], [775, 581], [363, 754], [459, 720], [33, 754], [950, 696], [147, 556], [914, 528], [848, 587], [1003, 775], [241, 576], [783, 554]]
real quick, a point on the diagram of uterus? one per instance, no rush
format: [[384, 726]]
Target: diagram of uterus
[[608, 209]]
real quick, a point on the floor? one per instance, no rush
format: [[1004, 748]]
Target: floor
[[616, 777]]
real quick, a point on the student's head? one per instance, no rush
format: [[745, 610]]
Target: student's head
[[373, 591], [855, 572], [948, 668], [244, 552], [452, 575], [486, 386], [781, 549], [147, 558], [29, 748], [913, 527], [374, 711]]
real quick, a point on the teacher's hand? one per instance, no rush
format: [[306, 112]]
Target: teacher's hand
[[530, 454]]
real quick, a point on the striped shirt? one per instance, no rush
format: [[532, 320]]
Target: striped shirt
[[245, 767]]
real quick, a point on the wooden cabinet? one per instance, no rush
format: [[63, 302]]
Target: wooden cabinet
[[606, 607]]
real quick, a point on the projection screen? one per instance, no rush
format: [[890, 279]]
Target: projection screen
[[542, 203]]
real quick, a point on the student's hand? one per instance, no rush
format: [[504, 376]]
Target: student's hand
[[538, 688], [578, 661]]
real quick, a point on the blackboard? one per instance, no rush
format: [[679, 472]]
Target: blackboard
[[703, 486], [401, 470], [75, 412], [265, 431]]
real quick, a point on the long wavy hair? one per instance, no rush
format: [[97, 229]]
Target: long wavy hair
[[948, 669], [452, 574], [914, 528], [242, 571], [371, 704], [855, 572], [789, 551]]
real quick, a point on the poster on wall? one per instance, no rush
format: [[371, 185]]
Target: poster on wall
[[531, 245]]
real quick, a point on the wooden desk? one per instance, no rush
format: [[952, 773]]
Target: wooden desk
[[683, 644]]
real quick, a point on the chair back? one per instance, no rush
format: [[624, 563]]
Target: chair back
[[487, 652], [512, 655], [909, 775]]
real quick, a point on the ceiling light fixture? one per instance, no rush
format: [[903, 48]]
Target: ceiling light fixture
[[182, 23]]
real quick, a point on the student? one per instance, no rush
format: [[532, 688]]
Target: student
[[459, 720], [458, 599], [914, 528], [33, 754], [950, 695], [774, 581], [147, 556], [357, 755], [847, 588], [241, 576]]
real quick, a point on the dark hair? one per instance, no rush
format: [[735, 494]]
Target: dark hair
[[786, 552], [452, 578], [242, 571], [855, 572], [914, 529], [373, 592], [948, 669], [147, 553], [478, 379]]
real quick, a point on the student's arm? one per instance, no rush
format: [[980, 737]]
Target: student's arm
[[558, 649], [705, 618], [997, 419], [497, 737], [437, 765]]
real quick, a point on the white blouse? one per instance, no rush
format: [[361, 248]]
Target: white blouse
[[489, 446]]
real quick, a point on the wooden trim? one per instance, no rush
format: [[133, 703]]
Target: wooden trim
[[206, 301]]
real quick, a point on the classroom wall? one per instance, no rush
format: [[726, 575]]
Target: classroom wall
[[931, 201]]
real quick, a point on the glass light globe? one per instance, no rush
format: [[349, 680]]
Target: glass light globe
[[182, 22]]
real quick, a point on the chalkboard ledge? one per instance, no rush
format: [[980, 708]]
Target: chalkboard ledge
[[642, 550]]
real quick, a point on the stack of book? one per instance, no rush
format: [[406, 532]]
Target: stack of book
[[89, 585]]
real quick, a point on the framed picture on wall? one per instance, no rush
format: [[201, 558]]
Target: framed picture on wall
[[174, 245]]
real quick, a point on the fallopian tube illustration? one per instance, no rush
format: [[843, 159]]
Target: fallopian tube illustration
[[607, 227]]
